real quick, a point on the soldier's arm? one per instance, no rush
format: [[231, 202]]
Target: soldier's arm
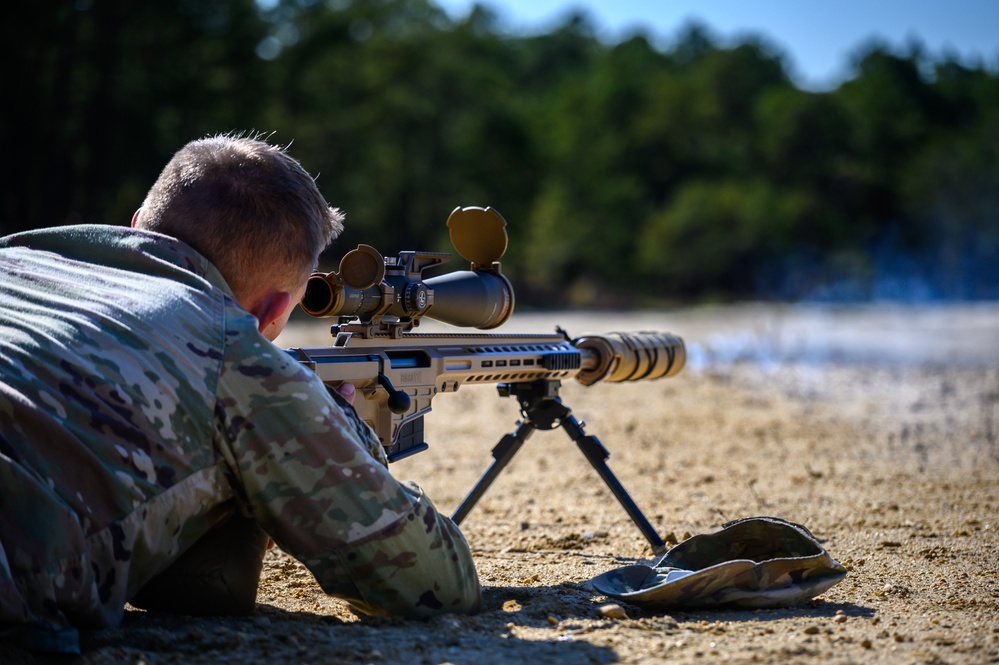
[[303, 464], [419, 566]]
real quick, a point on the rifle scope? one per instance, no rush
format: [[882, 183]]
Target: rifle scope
[[470, 298], [375, 289]]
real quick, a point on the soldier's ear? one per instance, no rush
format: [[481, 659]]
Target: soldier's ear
[[135, 217], [270, 308]]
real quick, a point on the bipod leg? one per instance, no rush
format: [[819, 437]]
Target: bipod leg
[[597, 455], [502, 454]]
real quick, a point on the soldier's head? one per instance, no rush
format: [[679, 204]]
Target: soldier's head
[[250, 209]]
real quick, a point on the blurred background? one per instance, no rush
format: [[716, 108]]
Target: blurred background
[[643, 154]]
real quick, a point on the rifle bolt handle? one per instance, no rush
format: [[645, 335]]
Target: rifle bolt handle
[[398, 401]]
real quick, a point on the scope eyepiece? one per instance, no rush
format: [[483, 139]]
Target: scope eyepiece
[[323, 295]]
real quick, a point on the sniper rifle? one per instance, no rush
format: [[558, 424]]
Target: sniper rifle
[[398, 372]]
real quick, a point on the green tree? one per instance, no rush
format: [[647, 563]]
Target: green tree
[[892, 110], [105, 90], [621, 167], [628, 137], [951, 189], [593, 196], [406, 116], [721, 237]]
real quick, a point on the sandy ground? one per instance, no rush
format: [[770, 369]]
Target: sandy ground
[[877, 428]]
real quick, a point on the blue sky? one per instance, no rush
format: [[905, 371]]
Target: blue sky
[[817, 37]]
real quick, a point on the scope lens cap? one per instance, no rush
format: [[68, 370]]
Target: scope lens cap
[[478, 234], [362, 268]]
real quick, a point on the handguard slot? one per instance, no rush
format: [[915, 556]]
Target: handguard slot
[[408, 359]]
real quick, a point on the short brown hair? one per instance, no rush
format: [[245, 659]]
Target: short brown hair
[[247, 206]]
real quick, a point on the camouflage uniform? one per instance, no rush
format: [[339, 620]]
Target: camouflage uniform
[[140, 407]]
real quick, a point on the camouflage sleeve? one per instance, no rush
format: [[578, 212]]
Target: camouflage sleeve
[[418, 566], [304, 466], [364, 433]]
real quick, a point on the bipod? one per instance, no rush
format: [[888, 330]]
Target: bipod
[[542, 408]]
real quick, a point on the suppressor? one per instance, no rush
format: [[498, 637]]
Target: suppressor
[[632, 356]]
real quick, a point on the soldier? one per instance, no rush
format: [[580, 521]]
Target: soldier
[[153, 439]]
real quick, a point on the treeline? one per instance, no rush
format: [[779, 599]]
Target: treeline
[[629, 173]]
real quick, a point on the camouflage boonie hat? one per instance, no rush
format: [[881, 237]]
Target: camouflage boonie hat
[[752, 562]]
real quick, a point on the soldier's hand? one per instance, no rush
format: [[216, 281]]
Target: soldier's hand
[[347, 391]]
